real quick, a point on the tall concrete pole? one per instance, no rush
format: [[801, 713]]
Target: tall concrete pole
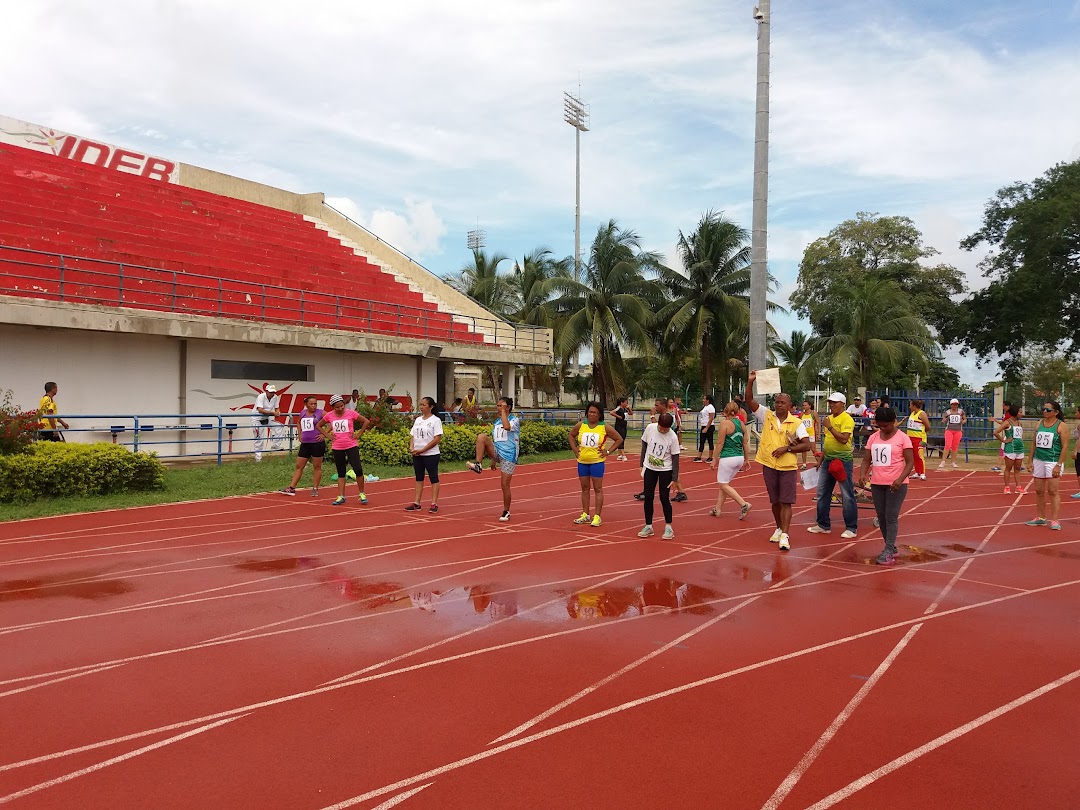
[[577, 204], [759, 352]]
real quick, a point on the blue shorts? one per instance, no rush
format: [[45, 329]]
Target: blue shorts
[[595, 470]]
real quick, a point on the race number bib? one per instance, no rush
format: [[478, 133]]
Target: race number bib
[[954, 419], [914, 424], [307, 424], [341, 426], [1018, 432], [590, 440], [657, 455], [1044, 440], [882, 455], [499, 433]]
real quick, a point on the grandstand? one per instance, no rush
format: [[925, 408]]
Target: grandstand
[[121, 269]]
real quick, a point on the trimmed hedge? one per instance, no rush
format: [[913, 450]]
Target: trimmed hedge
[[50, 469], [459, 442]]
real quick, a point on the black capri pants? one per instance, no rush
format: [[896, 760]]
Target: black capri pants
[[427, 464], [652, 480], [707, 436], [349, 458]]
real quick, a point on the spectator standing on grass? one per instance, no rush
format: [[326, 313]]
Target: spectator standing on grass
[[890, 453], [1048, 463], [659, 462], [621, 411], [837, 454], [503, 447], [338, 426], [954, 420], [706, 428], [424, 438], [264, 421], [47, 431], [782, 438], [312, 446]]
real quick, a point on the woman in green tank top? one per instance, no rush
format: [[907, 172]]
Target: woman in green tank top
[[1011, 436], [1047, 463], [734, 457]]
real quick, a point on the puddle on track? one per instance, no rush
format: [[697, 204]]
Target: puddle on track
[[16, 590]]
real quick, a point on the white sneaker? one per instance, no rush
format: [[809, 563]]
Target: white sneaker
[[815, 529], [922, 477], [847, 534], [776, 536], [646, 532], [669, 533], [258, 456], [785, 544], [505, 516], [956, 466]]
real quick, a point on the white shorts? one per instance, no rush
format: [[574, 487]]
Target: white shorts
[[727, 468], [1015, 456], [1044, 469]]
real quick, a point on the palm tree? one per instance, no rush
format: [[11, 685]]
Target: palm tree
[[531, 290], [611, 309], [483, 283], [710, 307], [874, 327]]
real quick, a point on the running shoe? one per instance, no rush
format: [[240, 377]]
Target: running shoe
[[955, 466], [640, 496], [744, 510], [696, 460], [815, 529], [714, 512], [475, 466], [288, 491], [434, 509], [1055, 525], [1036, 522], [847, 534], [620, 457], [585, 518], [669, 533], [314, 492], [1075, 496], [1008, 490], [776, 536], [505, 516], [363, 499], [596, 521], [413, 507], [1021, 490], [647, 531], [680, 497], [339, 501], [885, 558], [922, 477], [785, 543]]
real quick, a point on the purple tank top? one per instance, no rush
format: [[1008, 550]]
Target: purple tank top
[[308, 431]]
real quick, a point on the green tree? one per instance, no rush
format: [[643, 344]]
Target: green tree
[[711, 295], [874, 330], [793, 354], [530, 301], [483, 283], [885, 248], [610, 310], [1033, 297]]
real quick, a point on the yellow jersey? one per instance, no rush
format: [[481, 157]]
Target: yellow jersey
[[46, 407], [915, 428], [776, 434], [590, 440], [808, 420]]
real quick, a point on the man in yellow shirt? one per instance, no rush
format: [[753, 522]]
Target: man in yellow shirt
[[839, 431], [47, 431], [783, 437]]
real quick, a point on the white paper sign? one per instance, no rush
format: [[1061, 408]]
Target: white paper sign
[[768, 381]]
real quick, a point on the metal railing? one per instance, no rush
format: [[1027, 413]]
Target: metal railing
[[83, 280]]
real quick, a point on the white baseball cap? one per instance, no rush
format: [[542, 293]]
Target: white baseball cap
[[836, 396], [271, 389], [954, 402]]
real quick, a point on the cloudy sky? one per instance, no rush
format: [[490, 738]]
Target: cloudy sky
[[424, 119]]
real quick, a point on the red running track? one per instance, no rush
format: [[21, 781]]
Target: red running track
[[271, 652]]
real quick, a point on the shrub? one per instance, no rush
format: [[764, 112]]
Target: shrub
[[540, 437], [51, 469], [459, 442], [18, 428], [385, 418]]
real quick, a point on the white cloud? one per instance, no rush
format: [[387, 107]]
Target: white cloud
[[416, 232]]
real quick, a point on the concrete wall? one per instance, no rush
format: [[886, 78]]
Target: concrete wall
[[108, 374]]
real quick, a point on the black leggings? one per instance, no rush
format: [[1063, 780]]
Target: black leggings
[[707, 436], [1076, 463], [652, 478], [349, 458], [427, 464]]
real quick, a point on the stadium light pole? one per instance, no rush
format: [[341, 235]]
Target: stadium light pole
[[576, 115], [759, 269]]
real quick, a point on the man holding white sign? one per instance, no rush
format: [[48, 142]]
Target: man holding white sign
[[312, 446]]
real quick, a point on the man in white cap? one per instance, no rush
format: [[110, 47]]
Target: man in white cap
[[264, 420], [838, 430]]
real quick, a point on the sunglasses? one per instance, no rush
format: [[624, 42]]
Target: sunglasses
[[1048, 410]]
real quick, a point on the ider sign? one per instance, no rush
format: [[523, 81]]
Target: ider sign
[[72, 147]]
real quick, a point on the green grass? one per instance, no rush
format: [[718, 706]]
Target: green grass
[[196, 482]]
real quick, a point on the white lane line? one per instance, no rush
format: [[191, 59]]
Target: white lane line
[[588, 690], [937, 742], [811, 755], [115, 760], [57, 680], [392, 802], [572, 724]]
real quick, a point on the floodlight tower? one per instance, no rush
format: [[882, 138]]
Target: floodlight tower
[[576, 114], [759, 269], [475, 240]]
